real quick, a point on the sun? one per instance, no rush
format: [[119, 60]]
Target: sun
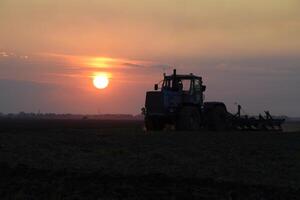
[[101, 81]]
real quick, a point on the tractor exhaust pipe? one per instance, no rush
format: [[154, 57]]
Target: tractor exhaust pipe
[[174, 72]]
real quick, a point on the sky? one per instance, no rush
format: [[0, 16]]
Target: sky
[[247, 52]]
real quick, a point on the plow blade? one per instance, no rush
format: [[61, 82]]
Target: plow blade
[[259, 123]]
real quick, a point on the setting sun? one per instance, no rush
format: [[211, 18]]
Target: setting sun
[[101, 81]]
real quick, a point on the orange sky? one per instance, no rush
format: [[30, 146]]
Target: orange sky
[[246, 51]]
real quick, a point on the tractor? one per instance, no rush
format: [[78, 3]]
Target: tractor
[[179, 100]]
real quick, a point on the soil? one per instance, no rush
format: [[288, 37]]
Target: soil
[[92, 159]]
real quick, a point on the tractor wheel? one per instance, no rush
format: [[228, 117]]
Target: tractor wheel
[[216, 118], [154, 124], [188, 119]]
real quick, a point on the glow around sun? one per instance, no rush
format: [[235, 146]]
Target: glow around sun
[[101, 81]]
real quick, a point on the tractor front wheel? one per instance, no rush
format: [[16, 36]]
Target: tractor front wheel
[[154, 124]]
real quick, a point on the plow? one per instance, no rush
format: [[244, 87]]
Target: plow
[[260, 123], [179, 100]]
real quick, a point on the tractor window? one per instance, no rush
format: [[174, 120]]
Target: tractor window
[[197, 85], [186, 85], [178, 85], [166, 84]]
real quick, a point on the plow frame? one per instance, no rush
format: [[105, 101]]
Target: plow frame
[[260, 123]]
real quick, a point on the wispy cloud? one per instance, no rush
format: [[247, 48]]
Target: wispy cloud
[[78, 63], [5, 54]]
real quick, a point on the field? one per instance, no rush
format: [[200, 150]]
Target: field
[[92, 159]]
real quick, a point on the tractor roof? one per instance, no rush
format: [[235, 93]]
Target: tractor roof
[[183, 76]]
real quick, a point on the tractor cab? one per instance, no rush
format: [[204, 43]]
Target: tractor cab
[[188, 87]]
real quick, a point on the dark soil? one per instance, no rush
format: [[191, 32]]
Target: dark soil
[[90, 159]]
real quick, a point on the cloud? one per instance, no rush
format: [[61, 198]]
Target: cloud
[[83, 64], [3, 54], [7, 55]]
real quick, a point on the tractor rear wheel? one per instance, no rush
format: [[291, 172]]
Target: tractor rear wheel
[[216, 118], [188, 119]]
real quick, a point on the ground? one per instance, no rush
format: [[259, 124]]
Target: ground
[[90, 159]]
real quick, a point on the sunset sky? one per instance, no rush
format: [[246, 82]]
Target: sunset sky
[[50, 50]]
